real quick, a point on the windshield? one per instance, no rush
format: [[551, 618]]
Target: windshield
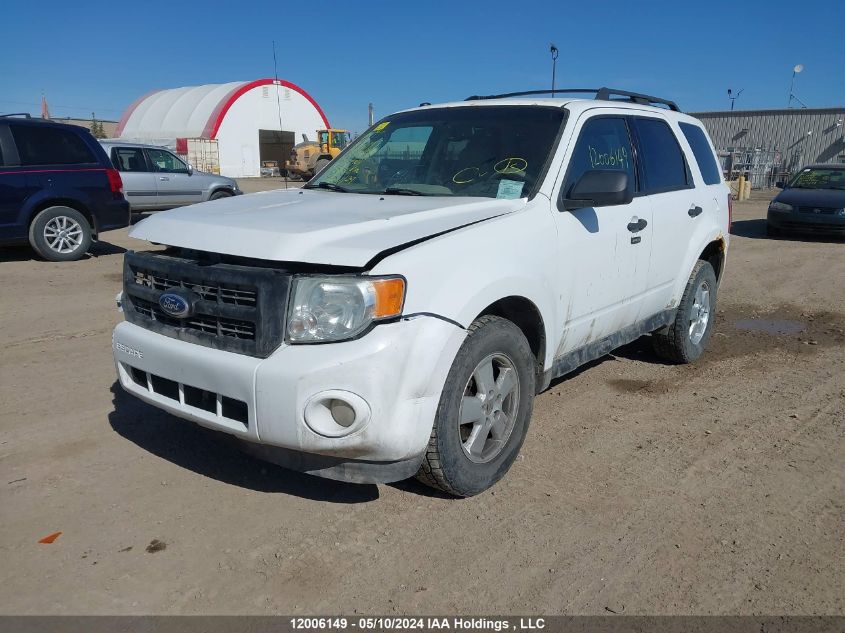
[[340, 139], [485, 151], [813, 178]]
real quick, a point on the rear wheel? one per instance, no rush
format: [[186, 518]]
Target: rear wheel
[[60, 234], [685, 339], [484, 410]]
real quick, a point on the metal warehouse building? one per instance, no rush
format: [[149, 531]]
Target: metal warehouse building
[[768, 145], [226, 128]]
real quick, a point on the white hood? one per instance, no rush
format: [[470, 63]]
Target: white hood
[[310, 226]]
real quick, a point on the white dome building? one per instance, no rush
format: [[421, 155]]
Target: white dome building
[[243, 123]]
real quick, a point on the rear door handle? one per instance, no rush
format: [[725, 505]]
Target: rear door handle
[[694, 211], [636, 225]]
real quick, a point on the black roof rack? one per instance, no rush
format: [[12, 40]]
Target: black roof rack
[[603, 94], [25, 115]]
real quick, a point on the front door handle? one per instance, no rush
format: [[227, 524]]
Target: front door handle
[[637, 225], [163, 178], [694, 211]]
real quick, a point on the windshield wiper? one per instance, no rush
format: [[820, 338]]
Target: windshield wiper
[[402, 191], [328, 185]]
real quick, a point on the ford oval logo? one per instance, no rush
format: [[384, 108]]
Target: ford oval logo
[[175, 305]]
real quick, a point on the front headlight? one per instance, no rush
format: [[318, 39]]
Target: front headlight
[[780, 206], [339, 308]]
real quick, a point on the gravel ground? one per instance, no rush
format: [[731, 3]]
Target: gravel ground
[[643, 488]]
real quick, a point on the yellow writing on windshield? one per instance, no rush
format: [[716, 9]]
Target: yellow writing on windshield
[[512, 165]]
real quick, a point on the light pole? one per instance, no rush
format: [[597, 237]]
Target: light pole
[[733, 97], [797, 69], [553, 51]]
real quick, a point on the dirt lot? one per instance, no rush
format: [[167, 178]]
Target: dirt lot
[[642, 488]]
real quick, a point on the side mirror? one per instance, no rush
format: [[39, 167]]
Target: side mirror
[[599, 188], [780, 184], [190, 169]]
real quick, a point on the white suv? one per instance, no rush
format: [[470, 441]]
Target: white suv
[[398, 314]]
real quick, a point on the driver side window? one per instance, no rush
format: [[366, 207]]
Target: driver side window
[[164, 161], [604, 143]]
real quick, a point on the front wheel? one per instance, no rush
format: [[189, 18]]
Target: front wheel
[[484, 410], [685, 339], [217, 195], [320, 165], [60, 234]]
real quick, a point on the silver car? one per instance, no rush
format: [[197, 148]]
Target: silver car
[[154, 178]]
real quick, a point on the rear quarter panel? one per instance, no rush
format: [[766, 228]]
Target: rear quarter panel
[[716, 226]]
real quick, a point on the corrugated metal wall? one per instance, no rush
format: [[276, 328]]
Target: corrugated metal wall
[[801, 136]]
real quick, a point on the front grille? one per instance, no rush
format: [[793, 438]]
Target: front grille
[[814, 226], [818, 210], [221, 293], [217, 404], [235, 308], [236, 328]]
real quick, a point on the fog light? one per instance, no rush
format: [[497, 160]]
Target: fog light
[[336, 413], [342, 412]]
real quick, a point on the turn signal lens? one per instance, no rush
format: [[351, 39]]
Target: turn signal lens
[[390, 294]]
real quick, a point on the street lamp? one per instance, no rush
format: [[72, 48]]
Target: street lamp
[[733, 97], [553, 51], [797, 69]]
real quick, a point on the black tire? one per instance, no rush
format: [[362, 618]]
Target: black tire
[[320, 165], [675, 342], [220, 194], [77, 238], [446, 465], [773, 231]]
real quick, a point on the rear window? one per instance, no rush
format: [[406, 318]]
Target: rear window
[[660, 156], [128, 159], [697, 140], [43, 145]]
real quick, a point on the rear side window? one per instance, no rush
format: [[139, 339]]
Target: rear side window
[[697, 140], [660, 155], [129, 159], [166, 162], [604, 143], [43, 145]]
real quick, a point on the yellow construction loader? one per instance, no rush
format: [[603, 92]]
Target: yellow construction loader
[[309, 157]]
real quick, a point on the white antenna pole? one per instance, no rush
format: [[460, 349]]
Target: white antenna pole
[[279, 108]]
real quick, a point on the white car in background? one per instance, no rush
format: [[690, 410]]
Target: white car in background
[[397, 315], [154, 178]]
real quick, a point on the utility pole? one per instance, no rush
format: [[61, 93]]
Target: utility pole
[[553, 51], [734, 97]]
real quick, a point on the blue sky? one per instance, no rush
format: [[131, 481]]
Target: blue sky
[[98, 56]]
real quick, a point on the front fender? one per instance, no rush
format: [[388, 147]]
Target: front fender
[[458, 274]]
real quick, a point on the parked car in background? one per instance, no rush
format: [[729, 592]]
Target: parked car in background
[[814, 200], [155, 178], [397, 315], [58, 189]]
